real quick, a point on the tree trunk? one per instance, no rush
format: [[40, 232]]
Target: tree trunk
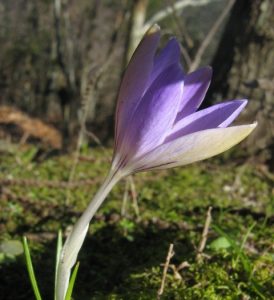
[[244, 68]]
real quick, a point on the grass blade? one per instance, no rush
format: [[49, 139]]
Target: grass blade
[[240, 255], [71, 282], [238, 250], [58, 253], [30, 270], [244, 241]]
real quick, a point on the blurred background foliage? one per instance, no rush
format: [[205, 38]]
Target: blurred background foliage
[[61, 61]]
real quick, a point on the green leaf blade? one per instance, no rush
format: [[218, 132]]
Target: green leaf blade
[[31, 270], [58, 254], [71, 282]]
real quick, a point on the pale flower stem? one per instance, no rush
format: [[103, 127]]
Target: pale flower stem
[[77, 236]]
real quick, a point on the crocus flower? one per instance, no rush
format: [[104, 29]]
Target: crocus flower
[[157, 122], [158, 125]]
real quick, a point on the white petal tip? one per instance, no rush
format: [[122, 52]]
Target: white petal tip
[[153, 29], [243, 131], [253, 126]]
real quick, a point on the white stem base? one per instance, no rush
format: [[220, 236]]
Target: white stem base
[[77, 236]]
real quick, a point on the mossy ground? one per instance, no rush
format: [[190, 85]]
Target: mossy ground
[[123, 255]]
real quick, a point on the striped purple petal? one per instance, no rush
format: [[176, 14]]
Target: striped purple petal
[[168, 56], [155, 114], [196, 86], [135, 80], [219, 115]]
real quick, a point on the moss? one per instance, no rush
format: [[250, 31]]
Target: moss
[[122, 257]]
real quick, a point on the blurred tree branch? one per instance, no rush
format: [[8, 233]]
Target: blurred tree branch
[[138, 16], [207, 40], [169, 10], [57, 49], [69, 47]]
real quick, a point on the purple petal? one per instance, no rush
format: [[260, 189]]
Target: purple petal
[[219, 115], [135, 79], [168, 56], [196, 86], [192, 147], [156, 113]]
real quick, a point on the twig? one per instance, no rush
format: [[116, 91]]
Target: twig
[[170, 254], [204, 236], [138, 15], [58, 36], [93, 159], [167, 11], [97, 141], [210, 35], [176, 269], [47, 183], [263, 172], [77, 154], [125, 198], [186, 56], [178, 21], [134, 196], [180, 24], [130, 185], [69, 46]]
